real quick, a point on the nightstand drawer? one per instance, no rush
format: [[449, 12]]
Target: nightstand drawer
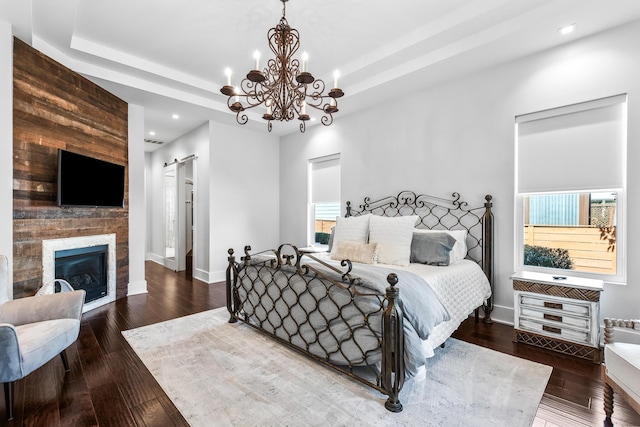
[[556, 316], [556, 305], [556, 329]]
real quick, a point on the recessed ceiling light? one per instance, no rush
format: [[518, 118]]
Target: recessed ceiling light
[[567, 29], [175, 116], [152, 133]]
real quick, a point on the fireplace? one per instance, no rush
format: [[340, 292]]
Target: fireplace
[[86, 262], [84, 268]]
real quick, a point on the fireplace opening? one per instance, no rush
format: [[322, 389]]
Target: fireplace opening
[[84, 268]]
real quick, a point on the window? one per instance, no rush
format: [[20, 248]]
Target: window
[[571, 231], [324, 198], [570, 188]]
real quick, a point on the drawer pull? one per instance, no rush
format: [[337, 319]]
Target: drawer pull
[[553, 317], [555, 305], [551, 329]]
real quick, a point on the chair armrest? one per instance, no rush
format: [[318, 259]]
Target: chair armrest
[[11, 366], [610, 324], [49, 288], [63, 305]]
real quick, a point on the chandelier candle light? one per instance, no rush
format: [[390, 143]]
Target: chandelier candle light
[[285, 87]]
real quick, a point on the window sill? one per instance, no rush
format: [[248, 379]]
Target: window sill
[[608, 279]]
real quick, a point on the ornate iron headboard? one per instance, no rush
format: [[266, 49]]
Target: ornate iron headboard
[[443, 214]]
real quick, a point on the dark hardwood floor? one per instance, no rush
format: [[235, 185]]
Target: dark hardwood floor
[[573, 396], [109, 386]]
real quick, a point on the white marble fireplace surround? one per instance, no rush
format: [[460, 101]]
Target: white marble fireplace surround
[[49, 248]]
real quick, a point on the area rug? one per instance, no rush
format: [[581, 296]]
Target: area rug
[[218, 373]]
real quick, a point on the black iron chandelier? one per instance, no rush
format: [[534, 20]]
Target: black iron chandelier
[[285, 87]]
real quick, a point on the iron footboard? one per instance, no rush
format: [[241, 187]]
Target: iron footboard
[[323, 313]]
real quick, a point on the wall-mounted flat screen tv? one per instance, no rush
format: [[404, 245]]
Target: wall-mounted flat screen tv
[[86, 181]]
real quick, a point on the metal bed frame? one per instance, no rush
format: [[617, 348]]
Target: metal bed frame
[[251, 300]]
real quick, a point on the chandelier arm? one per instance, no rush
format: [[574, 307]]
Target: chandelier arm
[[241, 118], [327, 119], [326, 104], [322, 107], [318, 86], [251, 93], [319, 102]]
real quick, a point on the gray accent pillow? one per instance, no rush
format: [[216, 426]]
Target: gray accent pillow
[[432, 248]]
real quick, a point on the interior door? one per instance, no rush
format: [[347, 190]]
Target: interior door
[[170, 216], [179, 218], [189, 210], [181, 224]]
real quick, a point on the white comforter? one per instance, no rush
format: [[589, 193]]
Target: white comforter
[[461, 287]]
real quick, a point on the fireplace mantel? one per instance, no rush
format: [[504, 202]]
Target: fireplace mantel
[[49, 248]]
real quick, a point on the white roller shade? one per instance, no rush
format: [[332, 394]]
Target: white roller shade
[[325, 181], [579, 147]]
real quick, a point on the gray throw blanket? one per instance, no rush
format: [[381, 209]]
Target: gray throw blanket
[[421, 308]]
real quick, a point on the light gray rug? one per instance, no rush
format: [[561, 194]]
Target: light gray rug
[[217, 373]]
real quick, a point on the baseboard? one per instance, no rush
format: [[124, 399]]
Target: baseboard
[[137, 287], [201, 275], [150, 256], [502, 314], [217, 276]]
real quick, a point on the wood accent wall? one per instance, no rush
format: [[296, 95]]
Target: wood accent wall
[[54, 107]]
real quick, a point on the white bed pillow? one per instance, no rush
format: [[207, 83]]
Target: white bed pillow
[[459, 251], [351, 229], [393, 236]]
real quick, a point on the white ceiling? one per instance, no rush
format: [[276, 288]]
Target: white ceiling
[[170, 57]]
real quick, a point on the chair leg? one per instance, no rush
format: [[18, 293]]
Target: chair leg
[[8, 398], [65, 362], [608, 401]]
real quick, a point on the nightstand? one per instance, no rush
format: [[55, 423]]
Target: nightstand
[[558, 314]]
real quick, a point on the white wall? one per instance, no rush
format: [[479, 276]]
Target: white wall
[[137, 206], [236, 194], [6, 145], [148, 199], [245, 193], [459, 136]]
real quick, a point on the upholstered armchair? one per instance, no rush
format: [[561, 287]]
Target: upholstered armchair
[[34, 330], [621, 370]]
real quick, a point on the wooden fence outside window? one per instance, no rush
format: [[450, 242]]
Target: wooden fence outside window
[[588, 251], [324, 226]]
